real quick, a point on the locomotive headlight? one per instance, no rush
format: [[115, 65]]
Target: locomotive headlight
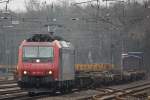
[[37, 60], [50, 72], [25, 72]]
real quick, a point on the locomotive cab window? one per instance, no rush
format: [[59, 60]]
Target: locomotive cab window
[[43, 53]]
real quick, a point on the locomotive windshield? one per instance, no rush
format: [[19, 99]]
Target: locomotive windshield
[[37, 52]]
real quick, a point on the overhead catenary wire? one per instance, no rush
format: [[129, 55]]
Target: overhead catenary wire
[[98, 18], [4, 1], [84, 2]]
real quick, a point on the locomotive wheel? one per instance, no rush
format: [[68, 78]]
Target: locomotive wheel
[[31, 94], [53, 92], [63, 90], [66, 90]]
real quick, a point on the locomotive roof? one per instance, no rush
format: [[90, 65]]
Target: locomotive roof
[[60, 44], [132, 56], [46, 40], [138, 55]]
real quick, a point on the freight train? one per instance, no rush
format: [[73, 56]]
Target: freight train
[[47, 63]]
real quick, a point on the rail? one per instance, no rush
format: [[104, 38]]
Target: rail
[[109, 93]]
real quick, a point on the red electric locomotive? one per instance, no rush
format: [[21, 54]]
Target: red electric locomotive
[[45, 63]]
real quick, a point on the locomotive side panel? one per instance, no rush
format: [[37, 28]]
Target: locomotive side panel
[[67, 71]]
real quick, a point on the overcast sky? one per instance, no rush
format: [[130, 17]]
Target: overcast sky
[[19, 5]]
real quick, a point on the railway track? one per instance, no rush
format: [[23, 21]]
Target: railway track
[[7, 82], [8, 88], [22, 95], [111, 94], [11, 91], [91, 94]]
